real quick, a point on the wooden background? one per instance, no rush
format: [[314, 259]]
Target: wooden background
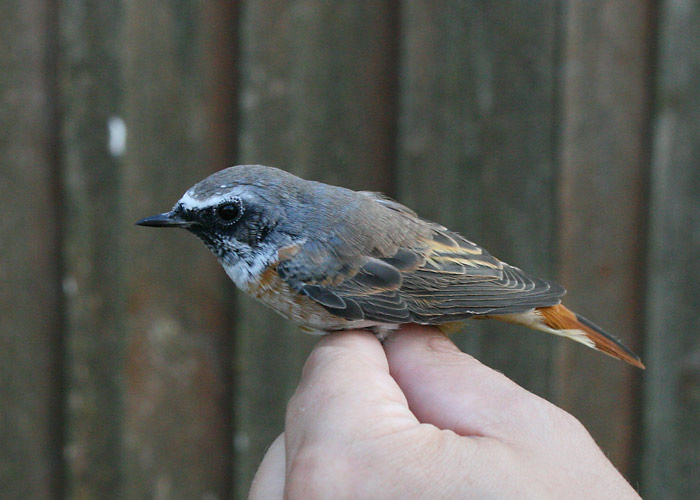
[[562, 135]]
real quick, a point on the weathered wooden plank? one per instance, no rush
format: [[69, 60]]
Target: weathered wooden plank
[[671, 446], [605, 104], [316, 99], [221, 66], [476, 146], [177, 421], [30, 314], [90, 97]]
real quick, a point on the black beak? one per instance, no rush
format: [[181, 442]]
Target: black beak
[[167, 219]]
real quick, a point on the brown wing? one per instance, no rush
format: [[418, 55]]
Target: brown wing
[[442, 277]]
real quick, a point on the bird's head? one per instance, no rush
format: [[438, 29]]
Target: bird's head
[[239, 213]]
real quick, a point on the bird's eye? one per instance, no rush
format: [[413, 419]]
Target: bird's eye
[[229, 212]]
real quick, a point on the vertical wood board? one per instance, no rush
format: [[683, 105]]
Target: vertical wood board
[[30, 296], [605, 105], [671, 441], [90, 87]]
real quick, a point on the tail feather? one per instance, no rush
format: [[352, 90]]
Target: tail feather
[[559, 320], [569, 324]]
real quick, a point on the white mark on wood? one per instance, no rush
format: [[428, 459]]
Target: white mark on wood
[[117, 135], [70, 286], [241, 442]]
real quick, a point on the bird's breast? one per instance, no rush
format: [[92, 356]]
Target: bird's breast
[[273, 291]]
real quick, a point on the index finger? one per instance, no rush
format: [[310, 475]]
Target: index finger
[[452, 390], [345, 393]]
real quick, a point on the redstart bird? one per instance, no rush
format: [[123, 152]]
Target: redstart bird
[[329, 259]]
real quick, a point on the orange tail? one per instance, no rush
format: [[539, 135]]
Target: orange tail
[[563, 321]]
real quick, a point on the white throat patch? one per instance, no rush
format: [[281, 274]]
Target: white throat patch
[[246, 270]]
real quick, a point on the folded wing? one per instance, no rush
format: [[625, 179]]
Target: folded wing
[[440, 277]]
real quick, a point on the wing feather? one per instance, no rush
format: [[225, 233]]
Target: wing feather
[[436, 278]]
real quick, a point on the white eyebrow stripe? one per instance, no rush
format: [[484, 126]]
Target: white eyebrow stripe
[[190, 202]]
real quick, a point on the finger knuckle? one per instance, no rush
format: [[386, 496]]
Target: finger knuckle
[[314, 474]]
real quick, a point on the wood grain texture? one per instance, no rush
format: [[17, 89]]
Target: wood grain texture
[[605, 106], [177, 417], [317, 94], [671, 444], [555, 134], [30, 297], [476, 147], [90, 95]]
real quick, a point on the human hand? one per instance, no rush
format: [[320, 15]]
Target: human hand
[[420, 419]]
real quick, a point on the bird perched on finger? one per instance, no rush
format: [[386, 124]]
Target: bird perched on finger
[[329, 258]]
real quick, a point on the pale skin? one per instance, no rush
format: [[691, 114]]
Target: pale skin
[[416, 419]]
